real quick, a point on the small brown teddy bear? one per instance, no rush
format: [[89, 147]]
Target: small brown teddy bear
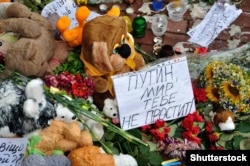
[[64, 136], [29, 55], [108, 49]]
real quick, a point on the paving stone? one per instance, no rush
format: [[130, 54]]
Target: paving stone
[[177, 26], [176, 31]]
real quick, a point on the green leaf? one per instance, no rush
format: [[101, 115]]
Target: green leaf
[[221, 143], [172, 130], [201, 124], [236, 141], [144, 149], [226, 137], [178, 132], [152, 146], [245, 144], [135, 132], [245, 134], [111, 147], [243, 117], [142, 160], [229, 145], [244, 126], [154, 158], [109, 136]]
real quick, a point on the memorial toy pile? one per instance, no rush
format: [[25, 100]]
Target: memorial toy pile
[[73, 94]]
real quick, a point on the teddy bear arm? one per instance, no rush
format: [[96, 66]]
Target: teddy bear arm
[[18, 10], [25, 27], [66, 145]]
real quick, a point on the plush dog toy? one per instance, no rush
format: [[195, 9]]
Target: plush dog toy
[[108, 49], [224, 119], [29, 55]]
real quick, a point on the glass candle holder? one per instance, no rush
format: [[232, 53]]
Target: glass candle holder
[[176, 10], [159, 24], [139, 27], [157, 5]]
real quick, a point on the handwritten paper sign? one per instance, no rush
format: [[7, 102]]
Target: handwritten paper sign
[[162, 91], [62, 8], [217, 19], [12, 151], [65, 8]]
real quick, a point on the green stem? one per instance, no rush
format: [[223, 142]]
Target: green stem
[[77, 109]]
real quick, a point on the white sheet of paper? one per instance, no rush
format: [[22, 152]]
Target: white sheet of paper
[[65, 8], [161, 91], [217, 19], [62, 8], [12, 151]]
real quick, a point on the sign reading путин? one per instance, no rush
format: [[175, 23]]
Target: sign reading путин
[[161, 91]]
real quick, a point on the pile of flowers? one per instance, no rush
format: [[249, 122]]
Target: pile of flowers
[[227, 84], [73, 84]]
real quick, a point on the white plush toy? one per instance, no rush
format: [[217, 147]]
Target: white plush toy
[[95, 127], [36, 99], [64, 114], [17, 118], [110, 109]]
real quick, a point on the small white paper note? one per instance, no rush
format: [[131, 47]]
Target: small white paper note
[[217, 19], [12, 151]]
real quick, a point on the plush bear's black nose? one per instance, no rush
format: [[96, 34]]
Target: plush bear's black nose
[[74, 117], [124, 50]]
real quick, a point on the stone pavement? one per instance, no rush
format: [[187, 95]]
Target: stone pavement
[[176, 31]]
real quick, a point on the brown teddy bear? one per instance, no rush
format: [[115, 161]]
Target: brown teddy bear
[[64, 136], [28, 55], [108, 49]]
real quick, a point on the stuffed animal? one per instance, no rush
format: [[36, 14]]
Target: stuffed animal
[[73, 36], [95, 127], [110, 109], [60, 56], [224, 119], [108, 49], [63, 136], [18, 119], [91, 155], [29, 55], [39, 160], [25, 109]]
